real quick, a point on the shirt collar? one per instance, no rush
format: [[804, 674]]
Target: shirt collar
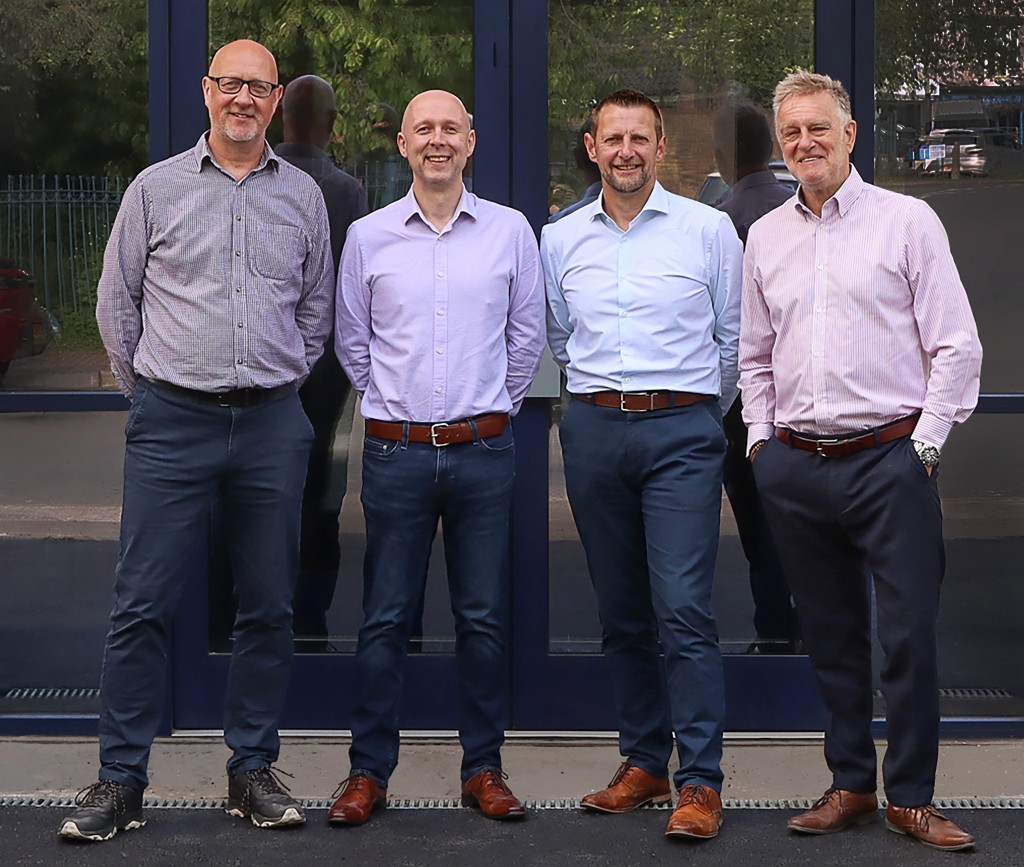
[[657, 202], [202, 152], [411, 208], [844, 197]]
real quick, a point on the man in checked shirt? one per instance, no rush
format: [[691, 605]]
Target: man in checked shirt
[[858, 354], [214, 303], [440, 327]]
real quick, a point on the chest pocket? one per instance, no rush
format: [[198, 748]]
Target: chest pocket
[[277, 251]]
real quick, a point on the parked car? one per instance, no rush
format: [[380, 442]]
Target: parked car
[[24, 327], [714, 188], [979, 150]]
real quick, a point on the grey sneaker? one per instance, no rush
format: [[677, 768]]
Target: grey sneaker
[[104, 808], [261, 796]]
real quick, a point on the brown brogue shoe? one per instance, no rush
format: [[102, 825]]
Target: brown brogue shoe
[[836, 810], [487, 790], [359, 796], [698, 813], [929, 826], [630, 788]]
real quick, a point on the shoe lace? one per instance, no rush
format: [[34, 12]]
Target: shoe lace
[[620, 773], [496, 779], [830, 793], [693, 794], [98, 794], [267, 781], [356, 782], [920, 817]]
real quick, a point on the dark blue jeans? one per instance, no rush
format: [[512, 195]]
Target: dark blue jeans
[[407, 488], [180, 454], [646, 492]]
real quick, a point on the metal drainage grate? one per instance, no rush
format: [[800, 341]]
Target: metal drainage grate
[[973, 803], [40, 692], [968, 693]]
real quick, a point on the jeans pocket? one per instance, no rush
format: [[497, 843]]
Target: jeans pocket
[[135, 410], [379, 449], [500, 443]]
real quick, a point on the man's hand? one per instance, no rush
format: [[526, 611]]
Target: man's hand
[[754, 449]]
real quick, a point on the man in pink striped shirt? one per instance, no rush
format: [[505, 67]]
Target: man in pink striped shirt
[[858, 354]]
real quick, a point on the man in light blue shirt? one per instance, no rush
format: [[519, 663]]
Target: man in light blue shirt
[[643, 292]]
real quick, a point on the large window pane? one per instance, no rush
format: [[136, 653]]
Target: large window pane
[[377, 56], [692, 59]]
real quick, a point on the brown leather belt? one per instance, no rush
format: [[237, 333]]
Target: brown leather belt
[[239, 397], [642, 401], [839, 447], [441, 433]]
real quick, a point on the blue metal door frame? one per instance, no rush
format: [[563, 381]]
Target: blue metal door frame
[[549, 692]]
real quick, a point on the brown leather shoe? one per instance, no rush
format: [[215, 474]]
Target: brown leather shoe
[[929, 826], [698, 813], [836, 810], [630, 788], [360, 796], [487, 790]]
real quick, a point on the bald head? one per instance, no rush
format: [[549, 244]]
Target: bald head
[[431, 100], [244, 54], [308, 111]]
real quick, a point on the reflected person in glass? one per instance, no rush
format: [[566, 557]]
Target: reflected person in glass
[[308, 111], [858, 355], [213, 305], [440, 327], [643, 316], [742, 146]]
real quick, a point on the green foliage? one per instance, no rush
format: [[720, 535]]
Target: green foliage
[[371, 51], [921, 42]]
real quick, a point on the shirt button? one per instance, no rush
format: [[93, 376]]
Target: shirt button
[[623, 314], [438, 390], [819, 309], [440, 273], [240, 325], [238, 252], [238, 218], [440, 313], [238, 288], [240, 361], [440, 350]]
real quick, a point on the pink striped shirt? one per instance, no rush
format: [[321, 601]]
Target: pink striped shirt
[[855, 319]]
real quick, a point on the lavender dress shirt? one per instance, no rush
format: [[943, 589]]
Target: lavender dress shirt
[[440, 326], [855, 319], [212, 283]]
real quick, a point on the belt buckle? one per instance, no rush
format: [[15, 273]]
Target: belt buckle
[[650, 401], [819, 443], [433, 434]]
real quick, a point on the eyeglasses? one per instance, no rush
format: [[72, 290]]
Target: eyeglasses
[[258, 88]]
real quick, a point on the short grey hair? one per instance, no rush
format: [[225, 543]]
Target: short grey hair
[[806, 83]]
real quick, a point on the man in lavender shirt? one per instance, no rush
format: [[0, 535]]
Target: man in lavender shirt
[[440, 327], [213, 305], [858, 354]]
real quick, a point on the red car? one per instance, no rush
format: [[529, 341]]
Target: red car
[[24, 328]]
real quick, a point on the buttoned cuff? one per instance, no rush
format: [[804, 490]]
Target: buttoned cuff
[[931, 430], [758, 432]]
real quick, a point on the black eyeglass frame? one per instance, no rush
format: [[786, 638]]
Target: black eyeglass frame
[[247, 82]]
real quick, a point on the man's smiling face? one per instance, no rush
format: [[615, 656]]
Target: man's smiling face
[[241, 117], [436, 139], [816, 143]]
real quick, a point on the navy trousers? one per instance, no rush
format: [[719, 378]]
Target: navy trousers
[[834, 520], [180, 455], [646, 493], [407, 489], [774, 617]]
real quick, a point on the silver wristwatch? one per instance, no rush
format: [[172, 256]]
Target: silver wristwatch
[[928, 454]]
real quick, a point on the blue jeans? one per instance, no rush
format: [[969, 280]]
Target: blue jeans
[[645, 491], [180, 453], [407, 487]]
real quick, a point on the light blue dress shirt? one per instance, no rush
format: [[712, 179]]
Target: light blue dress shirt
[[655, 307]]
